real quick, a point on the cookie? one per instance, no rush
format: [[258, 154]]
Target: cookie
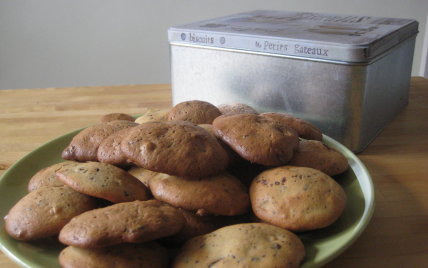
[[46, 177], [237, 108], [257, 139], [84, 146], [195, 226], [246, 171], [242, 245], [116, 116], [234, 157], [318, 155], [149, 254], [303, 128], [109, 150], [142, 174], [194, 111], [297, 198], [103, 181], [220, 194], [153, 115], [175, 147], [129, 222], [43, 212]]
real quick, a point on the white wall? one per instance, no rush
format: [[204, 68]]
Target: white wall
[[58, 43]]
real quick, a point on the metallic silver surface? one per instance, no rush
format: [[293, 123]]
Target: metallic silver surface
[[349, 102], [301, 34], [348, 75]]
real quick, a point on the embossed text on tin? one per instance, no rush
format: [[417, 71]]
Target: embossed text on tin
[[272, 46], [204, 39], [299, 49]]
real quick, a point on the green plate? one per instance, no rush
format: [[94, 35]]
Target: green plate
[[321, 245]]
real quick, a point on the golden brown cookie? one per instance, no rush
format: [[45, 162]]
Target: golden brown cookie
[[318, 155], [149, 254], [143, 174], [297, 198], [220, 194], [194, 111], [116, 116], [47, 177], [103, 181], [84, 146], [43, 212], [175, 147], [257, 139], [246, 171], [129, 222], [195, 225], [242, 245], [234, 157], [109, 150], [237, 108], [303, 128], [153, 115]]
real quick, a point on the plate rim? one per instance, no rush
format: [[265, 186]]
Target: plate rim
[[369, 197]]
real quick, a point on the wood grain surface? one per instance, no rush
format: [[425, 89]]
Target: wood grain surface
[[397, 159]]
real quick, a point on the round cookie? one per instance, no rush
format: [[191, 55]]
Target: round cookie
[[242, 245], [195, 225], [84, 146], [175, 147], [257, 139], [237, 108], [43, 212], [103, 181], [149, 254], [143, 174], [246, 171], [221, 194], [128, 222], [318, 155], [234, 157], [109, 150], [116, 116], [195, 111], [153, 115], [47, 177], [303, 128], [297, 198]]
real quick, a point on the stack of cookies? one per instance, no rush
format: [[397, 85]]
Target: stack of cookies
[[224, 185]]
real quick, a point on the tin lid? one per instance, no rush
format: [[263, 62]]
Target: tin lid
[[345, 38]]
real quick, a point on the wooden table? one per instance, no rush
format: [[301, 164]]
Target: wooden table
[[397, 159]]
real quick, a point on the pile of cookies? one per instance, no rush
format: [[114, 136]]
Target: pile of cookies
[[220, 185]]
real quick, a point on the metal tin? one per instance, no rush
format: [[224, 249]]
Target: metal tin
[[348, 75]]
